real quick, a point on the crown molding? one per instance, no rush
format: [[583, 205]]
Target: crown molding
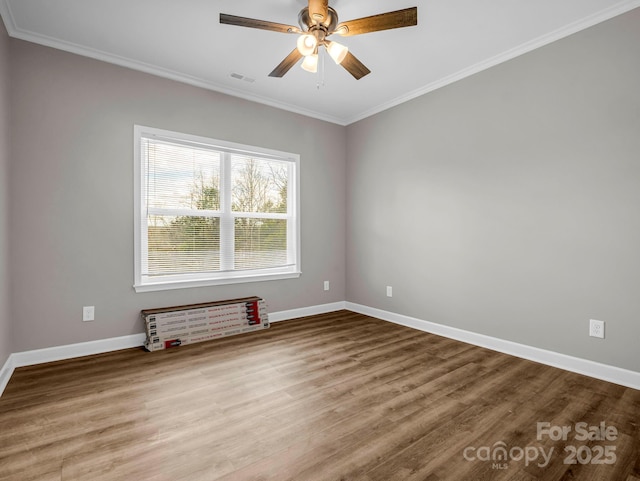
[[575, 27], [21, 34], [589, 21]]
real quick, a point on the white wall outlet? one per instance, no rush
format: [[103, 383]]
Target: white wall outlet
[[389, 291], [88, 313], [596, 328], [326, 285]]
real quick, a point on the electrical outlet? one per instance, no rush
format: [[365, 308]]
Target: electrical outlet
[[326, 285], [389, 291], [596, 328], [88, 313]]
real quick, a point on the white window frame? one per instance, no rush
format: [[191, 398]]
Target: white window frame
[[144, 284]]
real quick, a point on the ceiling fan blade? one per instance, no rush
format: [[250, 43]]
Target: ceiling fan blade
[[286, 64], [253, 23], [384, 21], [318, 10], [354, 66]]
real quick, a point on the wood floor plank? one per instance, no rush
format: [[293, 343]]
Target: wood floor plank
[[338, 396]]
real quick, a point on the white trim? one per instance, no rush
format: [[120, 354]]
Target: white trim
[[526, 47], [586, 367], [5, 373], [306, 311], [16, 32], [189, 283], [70, 351], [593, 369], [227, 274]]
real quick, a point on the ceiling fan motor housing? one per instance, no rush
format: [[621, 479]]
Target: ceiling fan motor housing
[[328, 25]]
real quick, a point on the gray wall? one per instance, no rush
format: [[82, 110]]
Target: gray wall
[[6, 345], [71, 188], [504, 204], [507, 203]]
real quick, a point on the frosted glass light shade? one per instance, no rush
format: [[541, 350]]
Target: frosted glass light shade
[[310, 63], [307, 44], [337, 51]]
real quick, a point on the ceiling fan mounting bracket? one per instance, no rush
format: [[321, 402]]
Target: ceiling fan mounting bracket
[[307, 23]]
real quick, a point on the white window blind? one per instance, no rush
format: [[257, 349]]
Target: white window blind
[[211, 212]]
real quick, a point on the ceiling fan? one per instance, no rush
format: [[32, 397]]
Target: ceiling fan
[[317, 22]]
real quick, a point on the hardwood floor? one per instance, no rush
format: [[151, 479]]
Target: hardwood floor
[[339, 396]]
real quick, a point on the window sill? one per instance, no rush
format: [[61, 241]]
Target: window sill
[[184, 284]]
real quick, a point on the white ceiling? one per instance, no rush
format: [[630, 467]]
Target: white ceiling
[[183, 40]]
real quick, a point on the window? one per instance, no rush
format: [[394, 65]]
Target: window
[[212, 212]]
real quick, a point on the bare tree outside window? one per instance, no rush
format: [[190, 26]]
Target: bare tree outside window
[[214, 212], [258, 186]]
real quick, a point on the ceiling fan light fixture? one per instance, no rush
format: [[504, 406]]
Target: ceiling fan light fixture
[[310, 63], [337, 51], [317, 22], [307, 44]]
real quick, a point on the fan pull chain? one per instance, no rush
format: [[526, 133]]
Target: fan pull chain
[[321, 76]]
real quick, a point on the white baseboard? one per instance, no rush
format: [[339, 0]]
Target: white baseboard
[[593, 369], [589, 368], [5, 373], [58, 353], [306, 311]]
